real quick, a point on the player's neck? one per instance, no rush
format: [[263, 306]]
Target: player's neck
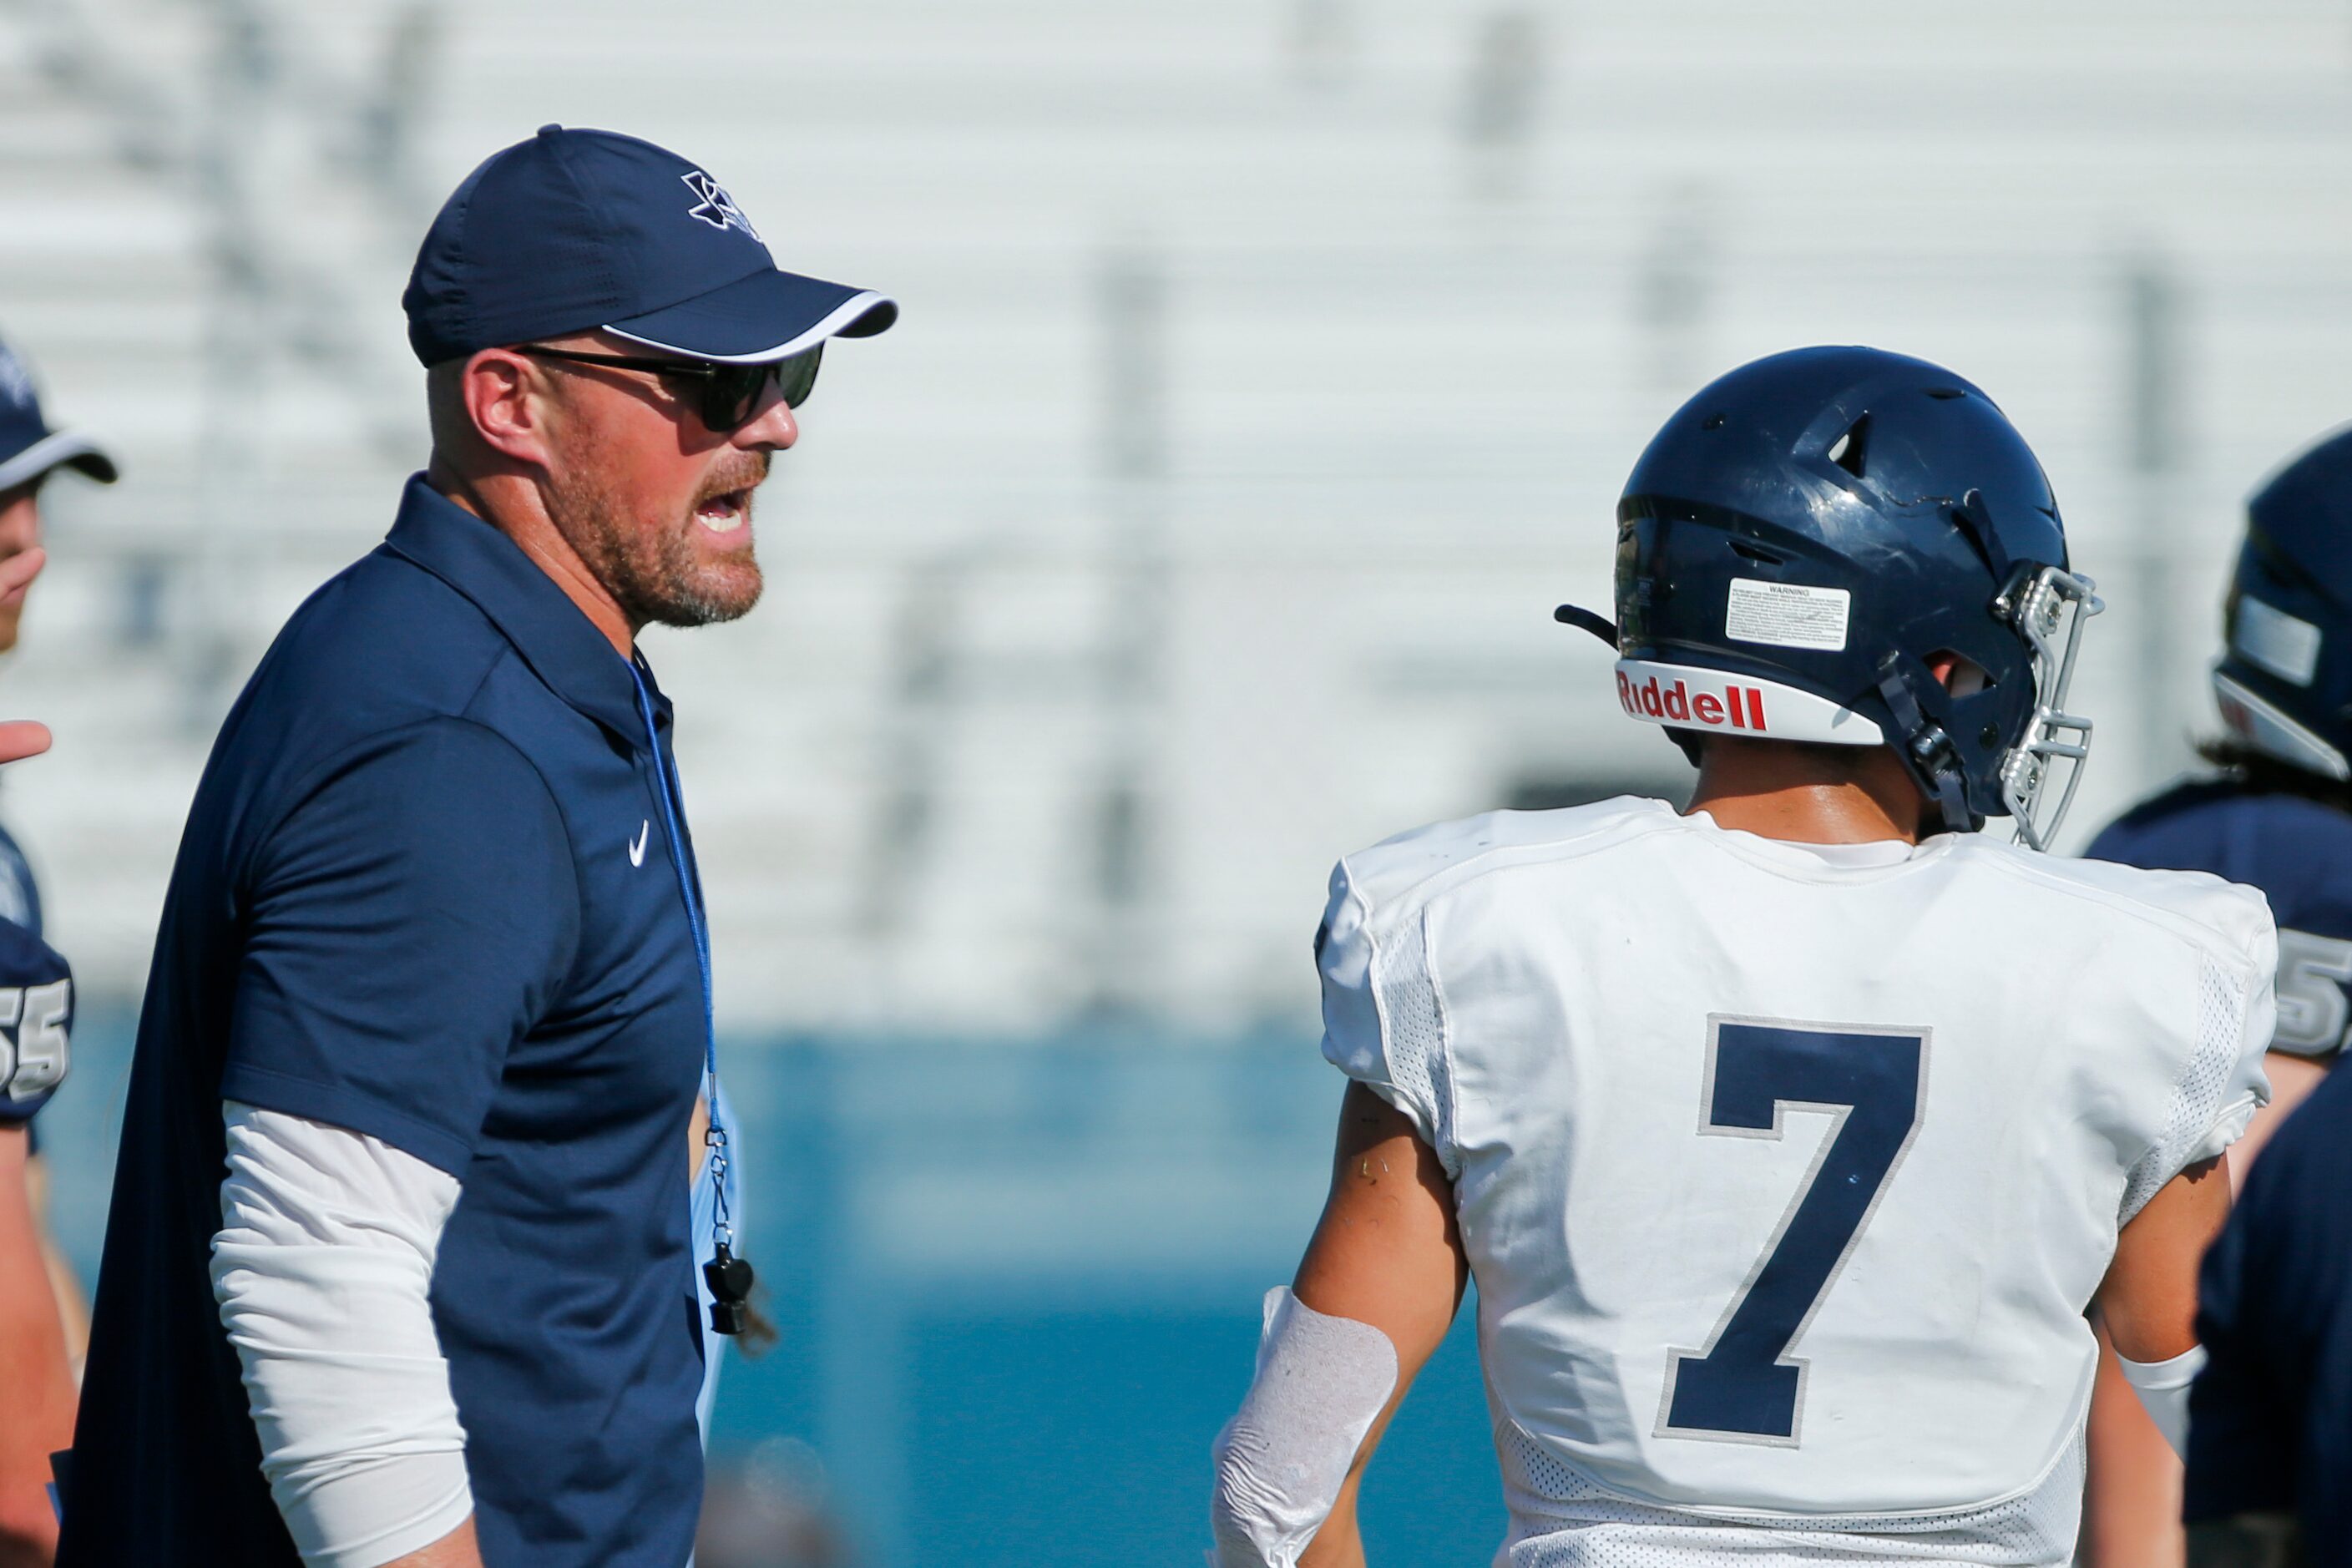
[[1808, 794]]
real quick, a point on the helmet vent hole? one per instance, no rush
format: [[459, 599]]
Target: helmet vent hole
[[1849, 449], [1945, 394], [1757, 554]]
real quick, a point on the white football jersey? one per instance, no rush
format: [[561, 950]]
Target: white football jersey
[[1787, 1172]]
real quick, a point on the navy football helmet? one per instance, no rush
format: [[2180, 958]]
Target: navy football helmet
[[1808, 532], [2284, 681]]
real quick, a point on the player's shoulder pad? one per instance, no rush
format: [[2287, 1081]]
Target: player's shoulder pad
[[2211, 818], [2300, 845], [1402, 873], [35, 1021], [1378, 997], [2183, 798], [2211, 913], [26, 960]]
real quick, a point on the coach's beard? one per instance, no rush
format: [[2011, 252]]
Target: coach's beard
[[657, 575]]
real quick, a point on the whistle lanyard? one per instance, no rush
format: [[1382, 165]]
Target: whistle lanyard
[[715, 1136]]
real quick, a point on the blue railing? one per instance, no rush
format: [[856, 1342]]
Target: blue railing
[[1015, 1285]]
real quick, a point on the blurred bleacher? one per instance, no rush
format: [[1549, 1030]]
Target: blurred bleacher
[[1268, 370]]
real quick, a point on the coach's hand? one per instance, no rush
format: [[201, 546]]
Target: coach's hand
[[22, 738]]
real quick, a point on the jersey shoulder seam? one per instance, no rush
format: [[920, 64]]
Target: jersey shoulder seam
[[1498, 857], [1450, 1158], [2201, 934]]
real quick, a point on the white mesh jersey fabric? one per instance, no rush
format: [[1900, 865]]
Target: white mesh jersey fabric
[[1413, 1011], [1560, 1518], [1543, 993], [2217, 1093]]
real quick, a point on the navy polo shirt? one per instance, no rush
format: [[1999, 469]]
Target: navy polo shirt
[[2270, 1419], [425, 893]]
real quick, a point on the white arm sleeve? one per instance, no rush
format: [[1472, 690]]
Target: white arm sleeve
[[321, 1269], [2163, 1388], [1321, 1383]]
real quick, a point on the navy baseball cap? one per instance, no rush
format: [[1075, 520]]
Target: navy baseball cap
[[28, 448], [574, 230]]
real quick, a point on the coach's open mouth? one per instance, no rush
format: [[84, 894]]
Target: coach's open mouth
[[725, 512]]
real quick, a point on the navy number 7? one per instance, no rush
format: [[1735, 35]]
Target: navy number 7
[[1744, 1386]]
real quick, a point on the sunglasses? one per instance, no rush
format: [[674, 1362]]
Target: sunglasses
[[730, 394]]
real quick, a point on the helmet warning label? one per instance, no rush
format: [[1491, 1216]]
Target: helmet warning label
[[1788, 615]]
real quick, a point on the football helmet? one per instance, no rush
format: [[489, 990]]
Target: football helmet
[[2284, 681], [1809, 533]]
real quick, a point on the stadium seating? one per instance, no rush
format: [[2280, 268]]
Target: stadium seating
[[1267, 372]]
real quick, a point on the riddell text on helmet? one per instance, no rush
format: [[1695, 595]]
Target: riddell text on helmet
[[1739, 708]]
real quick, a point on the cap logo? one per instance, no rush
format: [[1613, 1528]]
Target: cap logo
[[714, 208], [15, 384]]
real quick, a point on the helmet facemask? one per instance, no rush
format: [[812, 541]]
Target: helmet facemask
[[2048, 608]]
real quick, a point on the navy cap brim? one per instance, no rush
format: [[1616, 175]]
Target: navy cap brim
[[770, 315], [63, 449]]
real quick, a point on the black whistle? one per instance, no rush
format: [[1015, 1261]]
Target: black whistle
[[729, 1278]]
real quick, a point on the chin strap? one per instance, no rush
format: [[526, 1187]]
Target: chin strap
[[1602, 627], [1927, 749], [1585, 620]]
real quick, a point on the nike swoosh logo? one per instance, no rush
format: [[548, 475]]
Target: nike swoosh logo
[[637, 850]]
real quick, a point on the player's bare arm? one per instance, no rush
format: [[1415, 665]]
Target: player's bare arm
[[2147, 1307], [2148, 1301], [1373, 1297], [73, 1303], [1386, 1253], [32, 1369], [37, 1385], [2149, 1298]]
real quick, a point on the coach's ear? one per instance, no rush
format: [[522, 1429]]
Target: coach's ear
[[502, 401]]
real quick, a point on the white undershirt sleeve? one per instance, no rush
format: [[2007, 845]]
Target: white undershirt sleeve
[[321, 1267]]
